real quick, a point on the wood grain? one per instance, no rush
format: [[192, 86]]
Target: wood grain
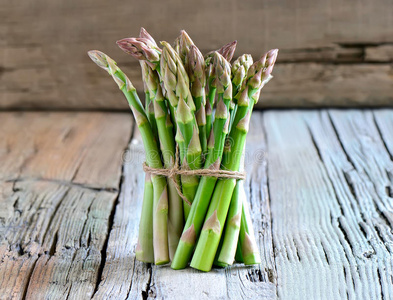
[[45, 65], [331, 235], [59, 185], [82, 148]]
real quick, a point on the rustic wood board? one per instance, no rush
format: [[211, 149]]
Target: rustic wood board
[[45, 66], [319, 185], [82, 148], [328, 177], [60, 175]]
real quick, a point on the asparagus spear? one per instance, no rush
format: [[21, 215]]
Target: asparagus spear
[[227, 52], [149, 106], [176, 83], [215, 149], [229, 241], [248, 246], [239, 72], [230, 236], [196, 71], [258, 74], [160, 203], [144, 249], [167, 143]]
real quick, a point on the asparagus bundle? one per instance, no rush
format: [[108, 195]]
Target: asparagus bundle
[[192, 210]]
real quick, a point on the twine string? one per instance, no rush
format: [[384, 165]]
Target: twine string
[[173, 172]]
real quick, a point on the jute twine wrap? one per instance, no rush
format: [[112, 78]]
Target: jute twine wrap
[[172, 174]]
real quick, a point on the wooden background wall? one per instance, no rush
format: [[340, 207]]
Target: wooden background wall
[[334, 52]]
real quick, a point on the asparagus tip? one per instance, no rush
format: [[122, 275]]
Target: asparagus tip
[[99, 58], [228, 50], [144, 34], [140, 48]]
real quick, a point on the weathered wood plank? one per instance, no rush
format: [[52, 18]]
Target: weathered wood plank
[[53, 228], [366, 153], [329, 85], [124, 277], [83, 148], [312, 23], [325, 214], [296, 84], [57, 248], [44, 63]]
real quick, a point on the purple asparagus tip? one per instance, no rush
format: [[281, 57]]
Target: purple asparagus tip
[[141, 48], [228, 50], [144, 34]]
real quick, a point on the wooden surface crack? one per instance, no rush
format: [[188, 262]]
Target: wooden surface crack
[[65, 183]]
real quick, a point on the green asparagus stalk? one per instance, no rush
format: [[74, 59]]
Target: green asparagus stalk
[[238, 255], [144, 249], [190, 158], [167, 143], [258, 74], [196, 72], [215, 149], [227, 52], [160, 202], [229, 241], [232, 226], [248, 246], [176, 83]]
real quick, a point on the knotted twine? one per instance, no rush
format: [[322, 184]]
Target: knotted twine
[[173, 172]]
